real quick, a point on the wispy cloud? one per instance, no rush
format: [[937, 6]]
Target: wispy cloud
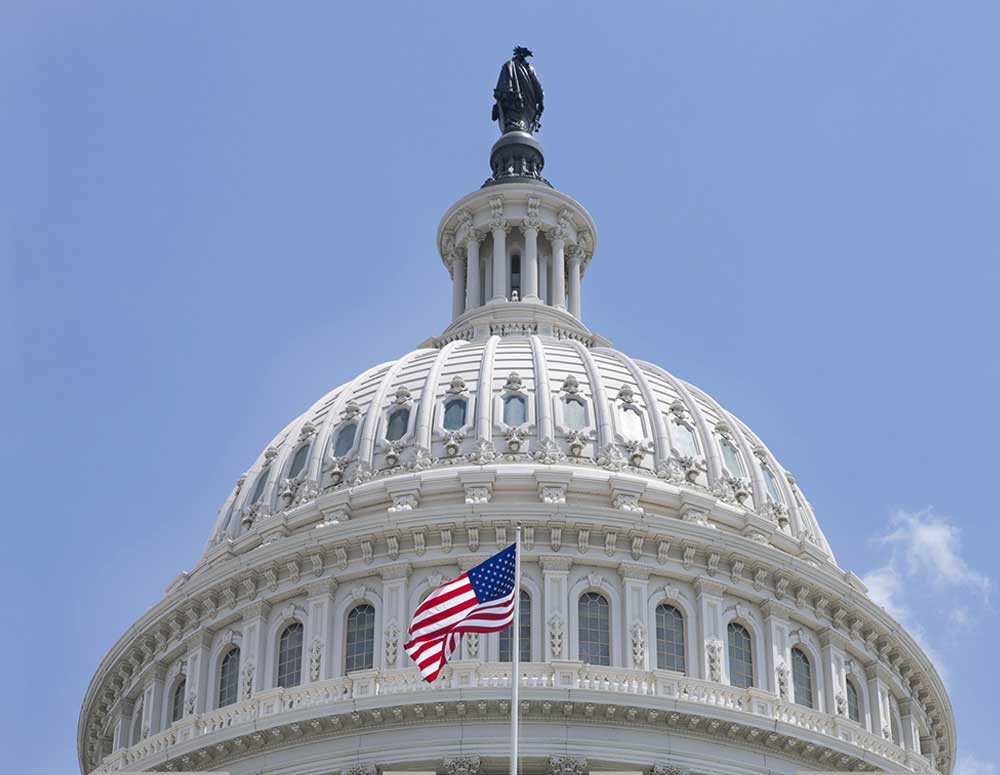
[[970, 765], [925, 559]]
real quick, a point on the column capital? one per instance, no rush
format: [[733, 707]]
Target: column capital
[[703, 586], [399, 570], [550, 563]]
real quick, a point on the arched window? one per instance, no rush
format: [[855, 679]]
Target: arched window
[[507, 635], [669, 638], [595, 629], [515, 410], [177, 700], [360, 650], [853, 702], [454, 414], [731, 458], [802, 677], [685, 440], [229, 678], [258, 488], [290, 656], [298, 461], [772, 484], [575, 414], [740, 656], [399, 421], [345, 440]]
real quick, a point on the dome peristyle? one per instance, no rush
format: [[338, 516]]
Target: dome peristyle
[[680, 610]]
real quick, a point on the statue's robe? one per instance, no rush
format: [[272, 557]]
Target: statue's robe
[[518, 97]]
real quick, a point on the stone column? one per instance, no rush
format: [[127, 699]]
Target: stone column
[[878, 701], [555, 618], [778, 659], [575, 261], [910, 731], [500, 276], [834, 673], [639, 640], [196, 673], [153, 703], [457, 284], [529, 267], [124, 724], [319, 603], [472, 280], [558, 242], [394, 615], [253, 651], [711, 643]]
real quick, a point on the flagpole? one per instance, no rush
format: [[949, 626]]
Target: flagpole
[[515, 651]]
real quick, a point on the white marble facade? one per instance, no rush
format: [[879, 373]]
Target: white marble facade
[[630, 485]]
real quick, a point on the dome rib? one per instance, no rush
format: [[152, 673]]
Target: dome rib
[[605, 430], [543, 404], [484, 391], [428, 396]]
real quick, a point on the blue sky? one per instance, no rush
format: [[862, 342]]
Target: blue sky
[[211, 213]]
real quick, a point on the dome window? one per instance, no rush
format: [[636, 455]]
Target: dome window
[[594, 629], [515, 277], [360, 647], [575, 414], [399, 421], [740, 656], [229, 677], [299, 461], [731, 458], [685, 440], [853, 702], [177, 700], [669, 638], [290, 656], [507, 634], [454, 414], [802, 678], [258, 489], [515, 411], [345, 440], [771, 483]]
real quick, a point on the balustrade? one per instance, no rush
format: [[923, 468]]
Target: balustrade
[[674, 687]]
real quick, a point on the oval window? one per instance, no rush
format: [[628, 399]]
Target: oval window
[[345, 440], [299, 461], [575, 414]]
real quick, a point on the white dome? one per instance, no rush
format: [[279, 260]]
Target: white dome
[[632, 418], [681, 609]]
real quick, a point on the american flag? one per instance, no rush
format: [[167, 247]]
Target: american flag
[[480, 600]]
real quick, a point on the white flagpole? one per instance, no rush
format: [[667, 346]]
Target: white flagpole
[[515, 651]]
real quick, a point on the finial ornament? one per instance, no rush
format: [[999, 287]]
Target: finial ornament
[[518, 96]]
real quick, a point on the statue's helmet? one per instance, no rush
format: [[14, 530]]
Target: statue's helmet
[[520, 52]]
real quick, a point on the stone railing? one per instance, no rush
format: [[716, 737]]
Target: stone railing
[[685, 695]]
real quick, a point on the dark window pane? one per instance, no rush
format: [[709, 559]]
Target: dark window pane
[[454, 414], [740, 656], [299, 461], [360, 651], [345, 440], [525, 634], [802, 678], [595, 629], [290, 656], [177, 701], [853, 702], [229, 678], [398, 422], [669, 638]]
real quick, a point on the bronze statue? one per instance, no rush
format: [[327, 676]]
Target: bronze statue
[[518, 95]]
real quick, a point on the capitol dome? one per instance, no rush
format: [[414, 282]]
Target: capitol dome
[[681, 609]]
